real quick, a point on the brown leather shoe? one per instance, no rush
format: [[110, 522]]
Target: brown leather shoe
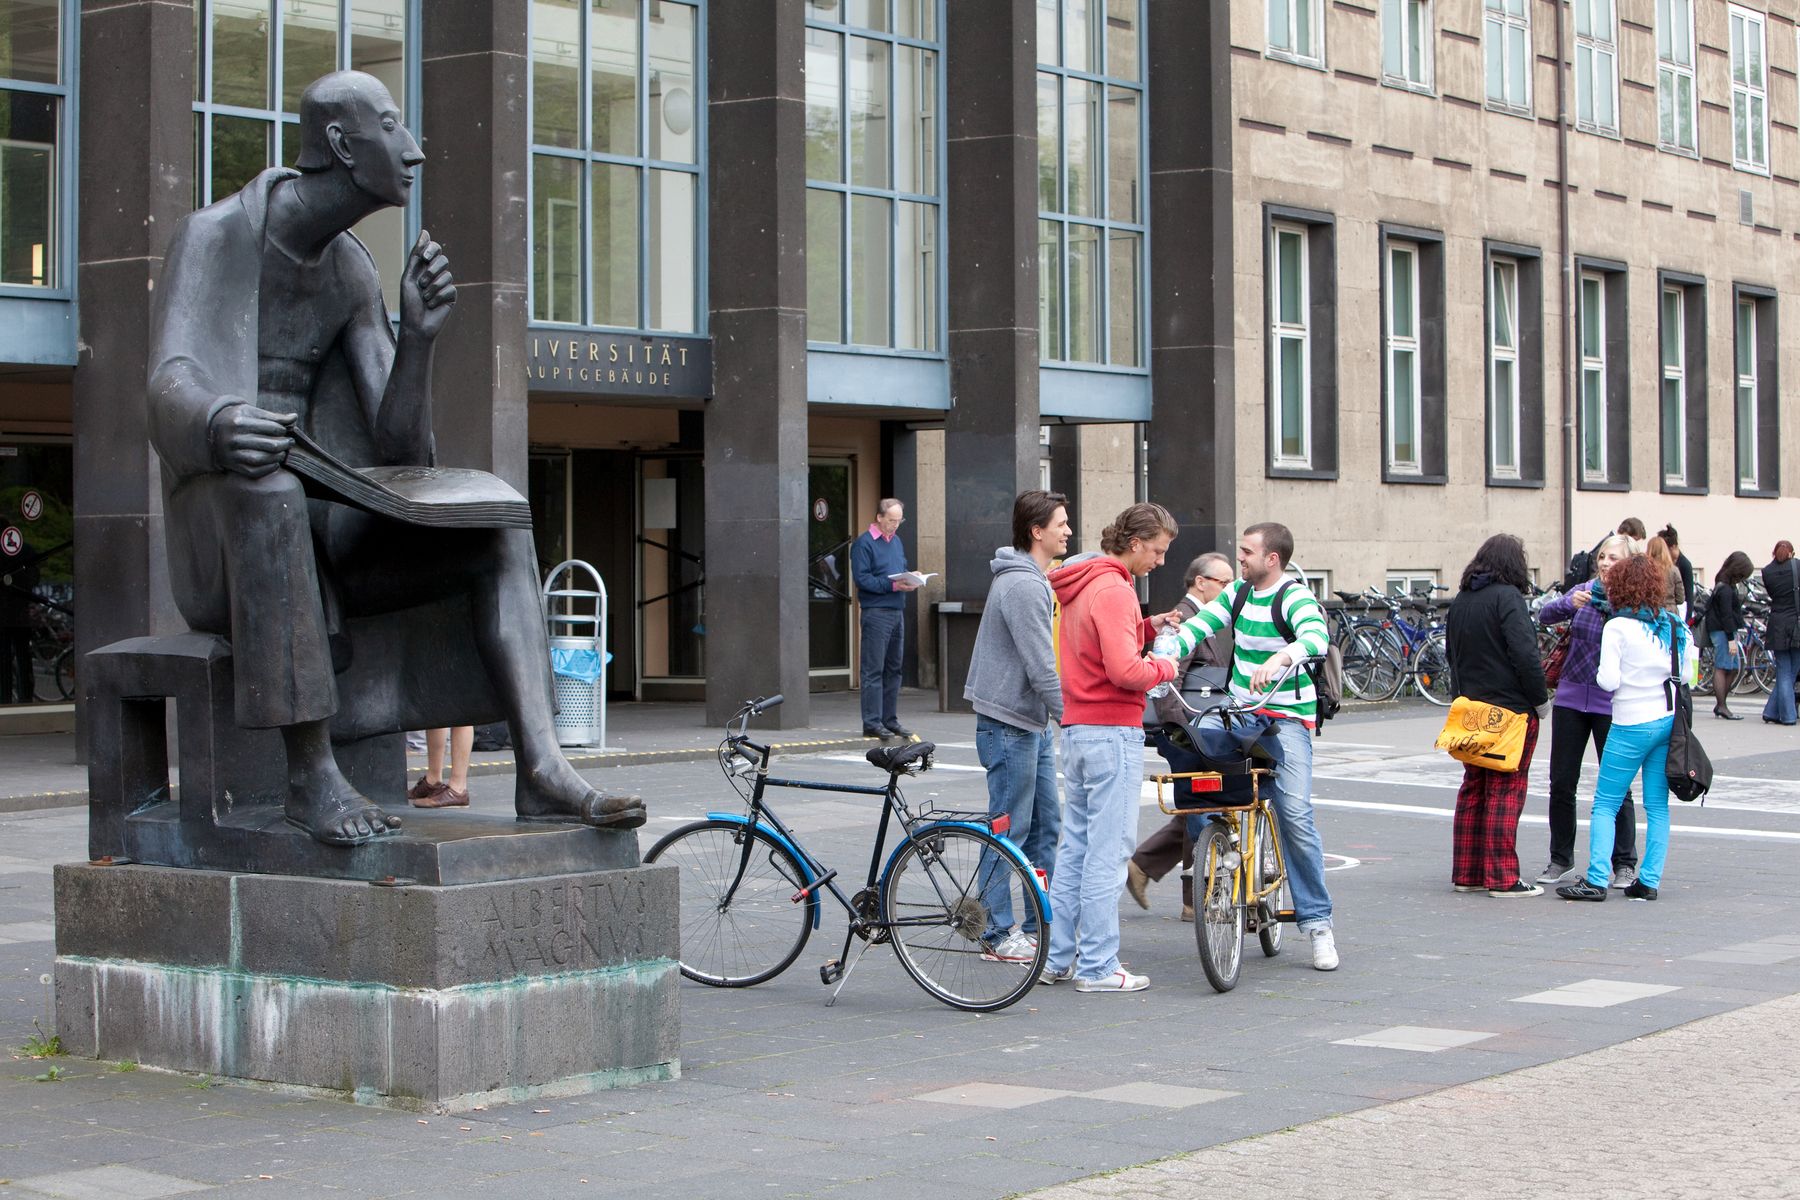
[[449, 797], [1137, 882], [425, 789]]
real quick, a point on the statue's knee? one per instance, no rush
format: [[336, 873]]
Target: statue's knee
[[276, 498]]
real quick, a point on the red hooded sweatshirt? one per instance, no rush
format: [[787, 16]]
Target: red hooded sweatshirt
[[1104, 671]]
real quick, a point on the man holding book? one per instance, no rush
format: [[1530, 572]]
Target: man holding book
[[878, 567]]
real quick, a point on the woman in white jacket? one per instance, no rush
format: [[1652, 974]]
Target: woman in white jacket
[[1635, 656]]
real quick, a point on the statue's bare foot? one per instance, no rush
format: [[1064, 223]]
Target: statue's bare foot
[[339, 816], [555, 792]]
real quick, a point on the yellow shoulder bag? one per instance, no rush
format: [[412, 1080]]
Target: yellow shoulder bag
[[1484, 735]]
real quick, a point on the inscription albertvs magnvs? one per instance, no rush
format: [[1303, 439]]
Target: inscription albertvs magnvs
[[619, 363]]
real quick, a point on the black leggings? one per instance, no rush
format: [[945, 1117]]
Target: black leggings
[[1569, 732]]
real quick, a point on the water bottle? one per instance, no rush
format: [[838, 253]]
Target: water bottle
[[1165, 646]]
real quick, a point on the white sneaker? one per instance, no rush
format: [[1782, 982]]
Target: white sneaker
[[1050, 978], [1119, 981], [1013, 948], [1325, 955]]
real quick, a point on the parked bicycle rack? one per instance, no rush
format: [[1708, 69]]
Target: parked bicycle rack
[[577, 661]]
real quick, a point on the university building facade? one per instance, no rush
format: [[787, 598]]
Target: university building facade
[[731, 270]]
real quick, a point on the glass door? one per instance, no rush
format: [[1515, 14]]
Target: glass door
[[830, 530], [671, 568]]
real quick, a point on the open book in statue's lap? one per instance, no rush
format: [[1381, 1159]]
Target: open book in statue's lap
[[270, 327]]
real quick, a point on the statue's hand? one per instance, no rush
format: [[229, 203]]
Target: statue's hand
[[249, 440], [426, 290]]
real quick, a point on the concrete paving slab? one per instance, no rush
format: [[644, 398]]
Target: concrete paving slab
[[991, 1095], [110, 1183], [1416, 1038], [1596, 993]]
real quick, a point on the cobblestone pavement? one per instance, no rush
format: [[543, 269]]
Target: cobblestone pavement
[[1711, 1108]]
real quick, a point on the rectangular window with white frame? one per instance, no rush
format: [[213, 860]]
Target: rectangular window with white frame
[[1403, 366], [1411, 583], [1406, 44], [1504, 458], [1749, 91], [1593, 378], [1297, 31], [1506, 39], [1290, 339], [1675, 96], [1757, 392], [1673, 336], [1682, 374], [1596, 67]]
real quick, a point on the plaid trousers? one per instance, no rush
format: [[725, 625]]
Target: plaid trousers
[[1485, 834]]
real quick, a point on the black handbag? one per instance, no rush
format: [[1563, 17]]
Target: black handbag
[[1689, 771]]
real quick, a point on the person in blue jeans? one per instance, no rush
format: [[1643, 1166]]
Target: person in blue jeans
[[1014, 689], [1781, 579], [875, 557], [1639, 647]]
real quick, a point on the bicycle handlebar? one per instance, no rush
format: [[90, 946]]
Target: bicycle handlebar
[[1233, 704], [764, 704]]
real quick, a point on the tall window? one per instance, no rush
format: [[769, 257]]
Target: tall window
[[33, 95], [1674, 385], [1503, 368], [1297, 30], [1403, 366], [1290, 341], [1747, 395], [1506, 36], [1406, 36], [1675, 74], [1092, 209], [1749, 92], [874, 199], [617, 126], [1596, 66], [255, 58], [1593, 378]]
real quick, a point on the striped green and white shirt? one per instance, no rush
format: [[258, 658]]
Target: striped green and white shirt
[[1256, 639]]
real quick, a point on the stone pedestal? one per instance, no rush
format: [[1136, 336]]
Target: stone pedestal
[[432, 998]]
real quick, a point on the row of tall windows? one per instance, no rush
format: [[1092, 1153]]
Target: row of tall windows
[[254, 58], [34, 94], [1302, 349], [1296, 32]]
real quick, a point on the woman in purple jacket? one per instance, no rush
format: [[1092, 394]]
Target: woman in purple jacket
[[1583, 709]]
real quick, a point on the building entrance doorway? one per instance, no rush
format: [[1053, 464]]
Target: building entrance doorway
[[672, 577], [830, 529]]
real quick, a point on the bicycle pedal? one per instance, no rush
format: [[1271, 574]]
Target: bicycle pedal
[[831, 972]]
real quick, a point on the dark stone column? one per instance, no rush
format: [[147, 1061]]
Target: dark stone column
[[476, 135], [137, 179], [1065, 475], [756, 475], [1192, 433], [991, 434]]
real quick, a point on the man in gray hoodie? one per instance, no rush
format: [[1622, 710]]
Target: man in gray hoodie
[[1016, 694]]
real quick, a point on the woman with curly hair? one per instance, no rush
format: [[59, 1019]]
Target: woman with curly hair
[[1635, 653]]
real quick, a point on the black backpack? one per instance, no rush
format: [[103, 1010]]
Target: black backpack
[[1327, 676]]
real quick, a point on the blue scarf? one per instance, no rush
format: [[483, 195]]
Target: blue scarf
[[1660, 620]]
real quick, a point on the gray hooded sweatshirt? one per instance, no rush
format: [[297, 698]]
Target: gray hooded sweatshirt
[[1012, 673]]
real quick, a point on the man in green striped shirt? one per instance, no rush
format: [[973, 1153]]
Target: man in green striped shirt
[[1276, 625]]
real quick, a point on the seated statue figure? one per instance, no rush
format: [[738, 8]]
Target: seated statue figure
[[269, 319]]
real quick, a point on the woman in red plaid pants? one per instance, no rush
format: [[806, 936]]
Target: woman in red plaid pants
[[1494, 660]]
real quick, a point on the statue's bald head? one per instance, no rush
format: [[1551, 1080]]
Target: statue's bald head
[[346, 99]]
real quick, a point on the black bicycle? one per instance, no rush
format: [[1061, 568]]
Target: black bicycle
[[750, 890]]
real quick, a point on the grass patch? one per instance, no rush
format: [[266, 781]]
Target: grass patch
[[126, 1065], [39, 1046]]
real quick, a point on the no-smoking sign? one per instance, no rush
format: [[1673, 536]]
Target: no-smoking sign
[[31, 506], [11, 541]]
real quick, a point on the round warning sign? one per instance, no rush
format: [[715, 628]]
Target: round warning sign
[[31, 506], [821, 510], [11, 541]]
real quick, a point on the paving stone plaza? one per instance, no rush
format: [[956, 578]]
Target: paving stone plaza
[[1466, 1047]]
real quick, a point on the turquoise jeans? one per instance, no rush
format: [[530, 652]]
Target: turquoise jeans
[[1630, 749]]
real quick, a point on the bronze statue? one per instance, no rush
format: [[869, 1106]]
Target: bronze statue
[[270, 320]]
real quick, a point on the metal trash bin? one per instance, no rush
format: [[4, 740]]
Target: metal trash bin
[[576, 621]]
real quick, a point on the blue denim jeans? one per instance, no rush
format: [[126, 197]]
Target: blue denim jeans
[[1629, 749], [883, 648], [1781, 697], [1103, 777], [1289, 742], [1021, 781]]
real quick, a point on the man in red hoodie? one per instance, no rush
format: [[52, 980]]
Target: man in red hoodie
[[1104, 677]]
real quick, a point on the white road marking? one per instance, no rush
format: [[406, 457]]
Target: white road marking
[[1420, 810]]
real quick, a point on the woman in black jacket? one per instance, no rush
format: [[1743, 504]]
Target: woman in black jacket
[[1725, 619], [1781, 578], [1494, 659]]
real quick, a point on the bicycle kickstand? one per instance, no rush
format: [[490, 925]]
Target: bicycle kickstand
[[838, 971]]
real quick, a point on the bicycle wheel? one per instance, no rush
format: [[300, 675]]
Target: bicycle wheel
[[65, 674], [1755, 668], [1268, 920], [1431, 671], [737, 929], [1218, 921], [1381, 660], [940, 888]]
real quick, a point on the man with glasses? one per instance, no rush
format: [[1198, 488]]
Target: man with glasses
[[878, 567], [1206, 577]]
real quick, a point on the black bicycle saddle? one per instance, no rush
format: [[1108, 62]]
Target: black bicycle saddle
[[901, 757]]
